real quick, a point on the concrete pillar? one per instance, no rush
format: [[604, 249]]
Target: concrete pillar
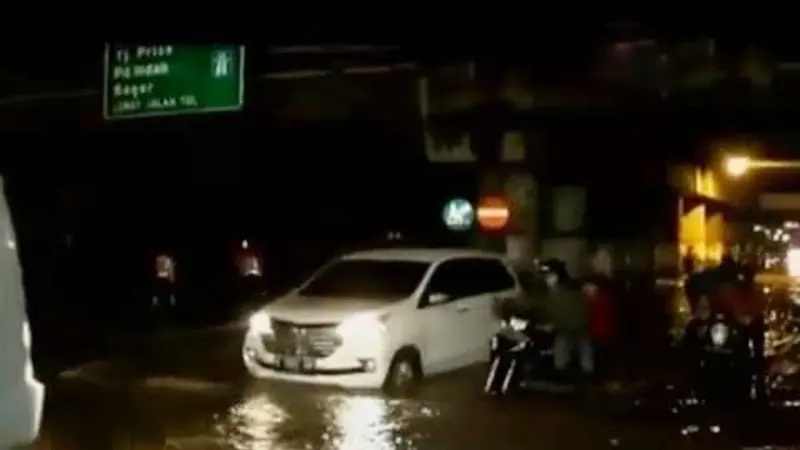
[[515, 182], [522, 192], [567, 241], [569, 209]]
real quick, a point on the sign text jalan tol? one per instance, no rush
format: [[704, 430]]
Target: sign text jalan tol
[[158, 80]]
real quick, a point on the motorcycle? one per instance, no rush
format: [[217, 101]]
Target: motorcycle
[[722, 360], [520, 352], [725, 385]]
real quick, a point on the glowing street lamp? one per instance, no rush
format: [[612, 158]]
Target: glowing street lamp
[[737, 166]]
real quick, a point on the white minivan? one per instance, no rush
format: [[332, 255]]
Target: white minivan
[[21, 396], [382, 318]]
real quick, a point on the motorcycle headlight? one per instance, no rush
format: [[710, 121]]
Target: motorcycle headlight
[[361, 327], [260, 322], [516, 324], [719, 334]]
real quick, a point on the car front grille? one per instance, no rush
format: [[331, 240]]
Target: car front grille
[[316, 340]]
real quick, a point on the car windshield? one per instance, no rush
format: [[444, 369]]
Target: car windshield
[[367, 279]]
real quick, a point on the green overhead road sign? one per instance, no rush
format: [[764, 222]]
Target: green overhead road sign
[[161, 80]]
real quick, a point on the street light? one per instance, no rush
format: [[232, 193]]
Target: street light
[[737, 166]]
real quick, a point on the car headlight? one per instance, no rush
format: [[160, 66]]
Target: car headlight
[[719, 334], [516, 323], [260, 322], [363, 327]]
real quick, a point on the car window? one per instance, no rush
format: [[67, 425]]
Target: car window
[[469, 277], [452, 278], [491, 276]]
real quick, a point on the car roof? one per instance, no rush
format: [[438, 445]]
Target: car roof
[[430, 255]]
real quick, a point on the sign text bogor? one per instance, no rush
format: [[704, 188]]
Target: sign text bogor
[[157, 80]]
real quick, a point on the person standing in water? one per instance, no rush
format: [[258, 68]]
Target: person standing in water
[[566, 308]]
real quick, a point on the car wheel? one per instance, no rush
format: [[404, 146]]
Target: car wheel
[[404, 372]]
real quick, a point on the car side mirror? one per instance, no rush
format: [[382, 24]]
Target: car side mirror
[[437, 297]]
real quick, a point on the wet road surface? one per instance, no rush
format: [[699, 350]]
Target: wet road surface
[[189, 391], [448, 413]]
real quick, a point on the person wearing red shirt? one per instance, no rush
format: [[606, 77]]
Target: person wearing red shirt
[[600, 315]]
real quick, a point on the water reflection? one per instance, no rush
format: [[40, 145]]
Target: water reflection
[[358, 422], [252, 424], [291, 420]]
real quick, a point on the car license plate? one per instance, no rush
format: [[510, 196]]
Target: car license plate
[[298, 364]]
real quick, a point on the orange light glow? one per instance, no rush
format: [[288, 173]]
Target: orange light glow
[[493, 213]]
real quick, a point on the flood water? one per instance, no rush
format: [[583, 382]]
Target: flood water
[[191, 392], [447, 413]]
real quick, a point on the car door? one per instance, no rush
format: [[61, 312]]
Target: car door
[[444, 323], [492, 282]]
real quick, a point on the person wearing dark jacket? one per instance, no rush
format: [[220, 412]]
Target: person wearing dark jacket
[[566, 308]]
